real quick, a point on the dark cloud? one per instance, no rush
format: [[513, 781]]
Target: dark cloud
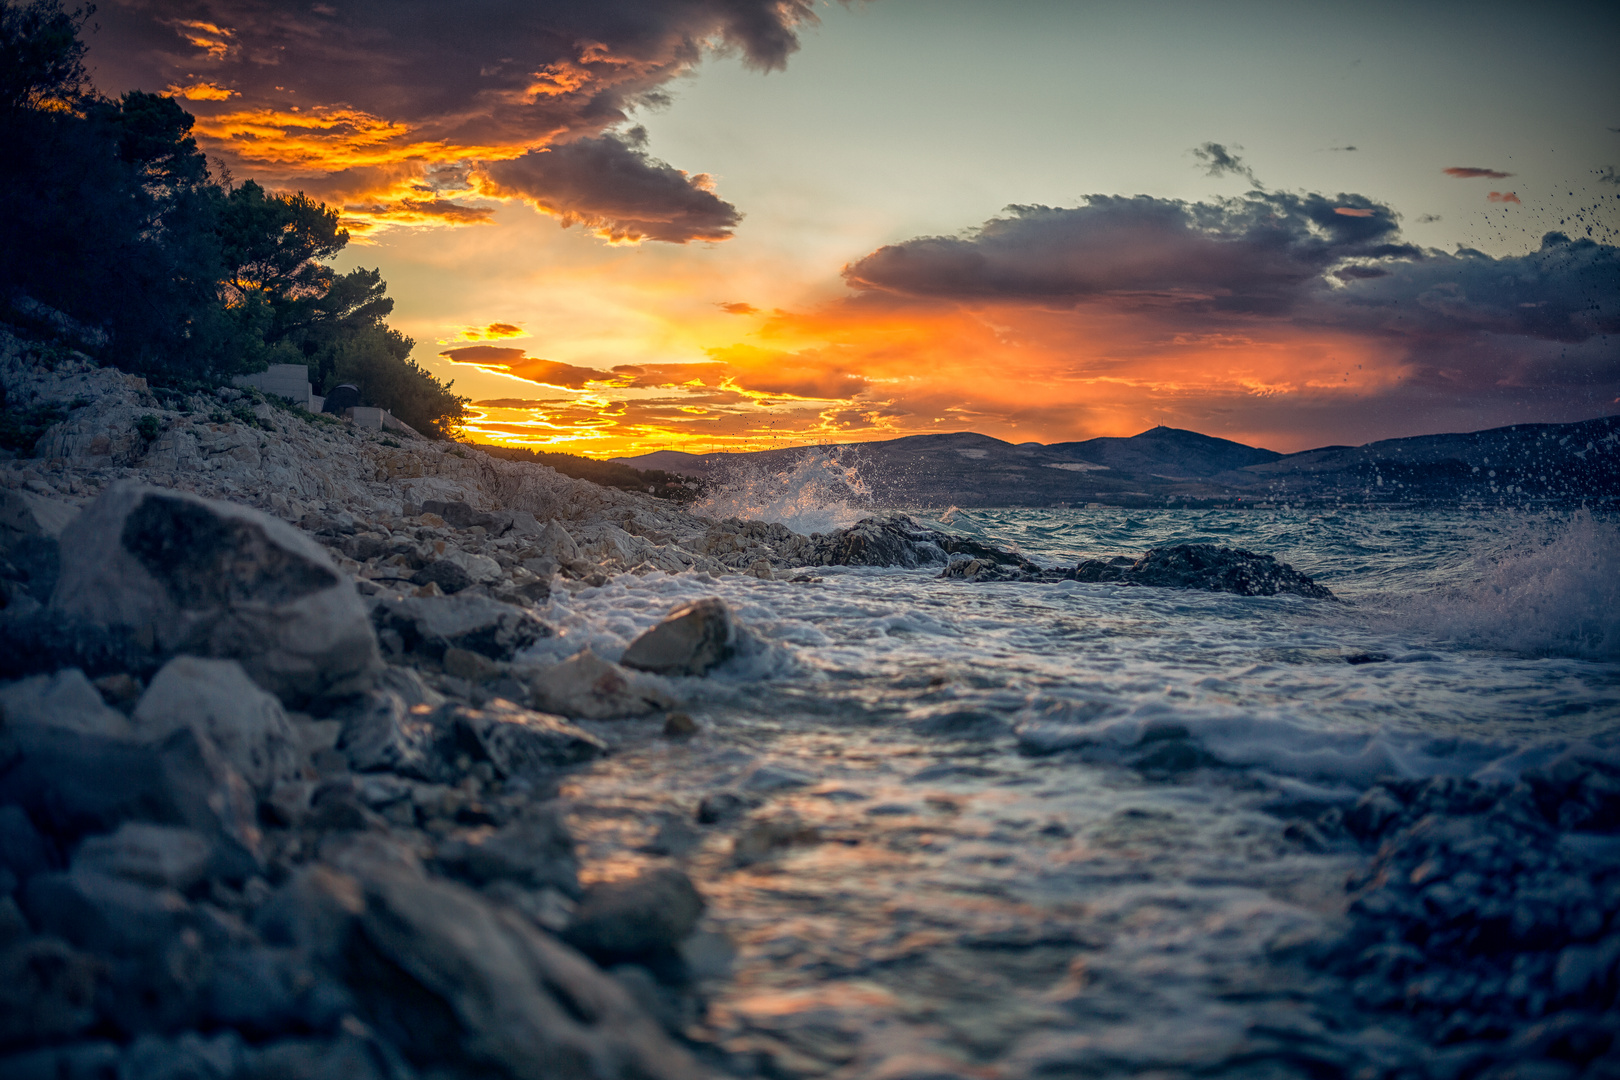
[[1342, 149], [513, 362], [366, 99], [612, 187], [1263, 252], [1218, 161], [1609, 176], [1469, 172]]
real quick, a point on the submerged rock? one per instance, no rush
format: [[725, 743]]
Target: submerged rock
[[586, 685], [1205, 567], [690, 640], [180, 573], [645, 915]]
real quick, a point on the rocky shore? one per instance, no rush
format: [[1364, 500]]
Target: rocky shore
[[281, 740]]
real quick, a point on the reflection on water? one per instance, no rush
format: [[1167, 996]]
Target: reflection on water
[[1028, 830]]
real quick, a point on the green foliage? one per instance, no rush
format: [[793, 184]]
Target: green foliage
[[113, 218], [665, 485], [148, 427]]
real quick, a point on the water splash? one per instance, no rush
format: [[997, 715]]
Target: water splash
[[819, 491], [1551, 587]]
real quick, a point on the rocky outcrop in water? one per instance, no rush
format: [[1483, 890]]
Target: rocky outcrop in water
[[1205, 567]]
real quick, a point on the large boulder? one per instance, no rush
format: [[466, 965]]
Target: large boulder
[[216, 699], [183, 574], [690, 640], [429, 625], [460, 984], [1205, 567]]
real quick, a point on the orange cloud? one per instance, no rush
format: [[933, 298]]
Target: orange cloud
[[1469, 172], [1352, 211], [202, 92], [1502, 197], [510, 361], [737, 307]]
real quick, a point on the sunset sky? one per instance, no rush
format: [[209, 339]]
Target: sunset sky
[[624, 226]]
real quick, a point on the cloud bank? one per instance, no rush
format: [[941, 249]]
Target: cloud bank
[[392, 107]]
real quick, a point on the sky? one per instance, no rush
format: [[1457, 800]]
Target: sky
[[625, 226]]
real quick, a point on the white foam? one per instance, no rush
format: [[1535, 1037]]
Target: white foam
[[818, 492]]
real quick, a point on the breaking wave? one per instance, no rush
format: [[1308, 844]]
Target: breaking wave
[[820, 491], [1550, 588]]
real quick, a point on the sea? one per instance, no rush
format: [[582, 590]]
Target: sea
[[1045, 829]]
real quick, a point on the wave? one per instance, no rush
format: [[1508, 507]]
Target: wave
[[1550, 587], [820, 491]]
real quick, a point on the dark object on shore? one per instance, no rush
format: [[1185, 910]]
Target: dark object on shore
[[1205, 567], [341, 399], [689, 641]]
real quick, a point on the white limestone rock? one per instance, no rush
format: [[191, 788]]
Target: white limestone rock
[[217, 700]]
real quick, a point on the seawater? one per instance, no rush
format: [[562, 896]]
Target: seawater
[[1050, 821]]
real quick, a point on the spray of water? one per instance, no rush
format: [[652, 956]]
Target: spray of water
[[1550, 588], [818, 491]]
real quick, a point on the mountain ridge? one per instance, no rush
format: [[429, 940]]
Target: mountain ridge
[[1516, 463]]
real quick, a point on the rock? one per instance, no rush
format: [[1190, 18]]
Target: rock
[[458, 515], [430, 625], [120, 690], [555, 542], [623, 920], [897, 540], [766, 836], [518, 742], [480, 569], [1205, 567], [66, 700], [70, 1061], [23, 852], [104, 914], [216, 699], [160, 856], [384, 734], [679, 725], [449, 575], [534, 852], [587, 685], [348, 1057], [690, 640], [460, 985], [72, 785], [29, 528], [184, 574], [47, 992], [466, 664], [313, 911], [263, 992]]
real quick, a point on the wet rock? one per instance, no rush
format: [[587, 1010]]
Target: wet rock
[[182, 574], [72, 1061], [66, 700], [643, 916], [347, 1057], [160, 856], [766, 836], [533, 852], [429, 625], [679, 725], [382, 733], [690, 640], [588, 686], [1204, 567], [519, 742], [47, 992], [459, 984], [466, 664], [189, 1056], [216, 699], [71, 785], [720, 806], [313, 911], [263, 992]]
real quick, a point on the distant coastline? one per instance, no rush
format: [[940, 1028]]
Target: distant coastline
[[1522, 464]]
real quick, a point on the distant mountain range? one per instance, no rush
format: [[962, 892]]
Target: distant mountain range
[[1519, 464]]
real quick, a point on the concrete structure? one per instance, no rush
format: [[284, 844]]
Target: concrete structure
[[290, 381], [368, 417]]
